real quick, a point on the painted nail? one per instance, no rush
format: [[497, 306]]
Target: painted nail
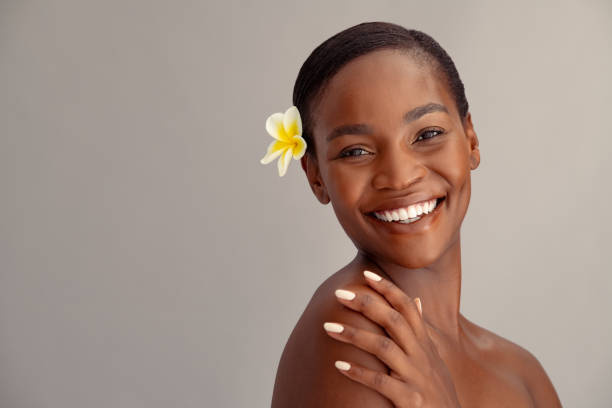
[[372, 276], [418, 303], [342, 365], [333, 327], [345, 294]]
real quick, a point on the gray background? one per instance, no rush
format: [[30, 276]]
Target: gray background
[[147, 258]]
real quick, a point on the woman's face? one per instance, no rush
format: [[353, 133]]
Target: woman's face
[[388, 135]]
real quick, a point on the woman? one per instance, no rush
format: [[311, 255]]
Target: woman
[[391, 145]]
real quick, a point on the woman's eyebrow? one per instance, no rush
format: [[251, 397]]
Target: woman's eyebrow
[[357, 129], [363, 129], [419, 111]]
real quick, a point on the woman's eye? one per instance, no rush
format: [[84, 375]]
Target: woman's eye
[[435, 133], [354, 152]]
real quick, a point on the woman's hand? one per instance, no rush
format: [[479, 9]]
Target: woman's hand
[[419, 377]]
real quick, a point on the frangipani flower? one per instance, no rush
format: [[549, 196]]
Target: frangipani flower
[[287, 130]]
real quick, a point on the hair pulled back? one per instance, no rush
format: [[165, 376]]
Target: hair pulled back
[[327, 59]]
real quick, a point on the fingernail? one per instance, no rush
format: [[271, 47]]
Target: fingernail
[[345, 294], [418, 303], [342, 365], [333, 327], [372, 276]]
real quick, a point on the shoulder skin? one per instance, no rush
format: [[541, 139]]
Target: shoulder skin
[[306, 375], [521, 362]]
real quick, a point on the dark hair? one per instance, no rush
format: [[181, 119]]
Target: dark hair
[[335, 52]]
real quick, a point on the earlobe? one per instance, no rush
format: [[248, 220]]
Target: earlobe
[[475, 159], [311, 168], [473, 139], [321, 194], [474, 154]]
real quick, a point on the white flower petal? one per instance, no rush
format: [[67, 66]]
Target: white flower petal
[[292, 122], [283, 162], [274, 126], [299, 147], [275, 149]]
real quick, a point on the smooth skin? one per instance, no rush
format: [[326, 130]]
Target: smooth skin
[[419, 377], [389, 157]]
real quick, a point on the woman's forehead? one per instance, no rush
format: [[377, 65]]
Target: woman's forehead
[[381, 84]]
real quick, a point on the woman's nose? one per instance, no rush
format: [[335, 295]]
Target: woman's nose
[[398, 169]]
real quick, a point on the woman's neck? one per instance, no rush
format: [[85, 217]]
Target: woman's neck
[[437, 285]]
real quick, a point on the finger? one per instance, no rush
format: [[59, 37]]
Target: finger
[[399, 300], [382, 313], [379, 345], [400, 393]]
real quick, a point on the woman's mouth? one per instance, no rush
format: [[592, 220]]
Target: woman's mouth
[[410, 214]]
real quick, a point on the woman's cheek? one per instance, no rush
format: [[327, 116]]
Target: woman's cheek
[[458, 175], [452, 163], [346, 188], [346, 185]]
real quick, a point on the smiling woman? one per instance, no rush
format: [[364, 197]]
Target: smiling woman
[[391, 144]]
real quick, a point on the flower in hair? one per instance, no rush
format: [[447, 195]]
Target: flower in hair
[[287, 130]]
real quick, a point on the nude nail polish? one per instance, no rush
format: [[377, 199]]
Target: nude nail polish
[[342, 365], [419, 306], [333, 327], [372, 276], [345, 294]]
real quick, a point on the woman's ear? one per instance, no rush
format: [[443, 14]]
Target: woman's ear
[[473, 139], [311, 168]]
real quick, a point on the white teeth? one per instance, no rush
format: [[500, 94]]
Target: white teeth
[[433, 204], [408, 221], [419, 209], [407, 215]]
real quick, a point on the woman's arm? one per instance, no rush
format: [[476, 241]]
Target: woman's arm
[[306, 375]]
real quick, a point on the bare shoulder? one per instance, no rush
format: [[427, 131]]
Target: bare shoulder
[[306, 375], [518, 361]]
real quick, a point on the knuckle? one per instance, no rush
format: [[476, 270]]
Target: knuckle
[[395, 317], [385, 343], [379, 379], [350, 332], [365, 300]]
